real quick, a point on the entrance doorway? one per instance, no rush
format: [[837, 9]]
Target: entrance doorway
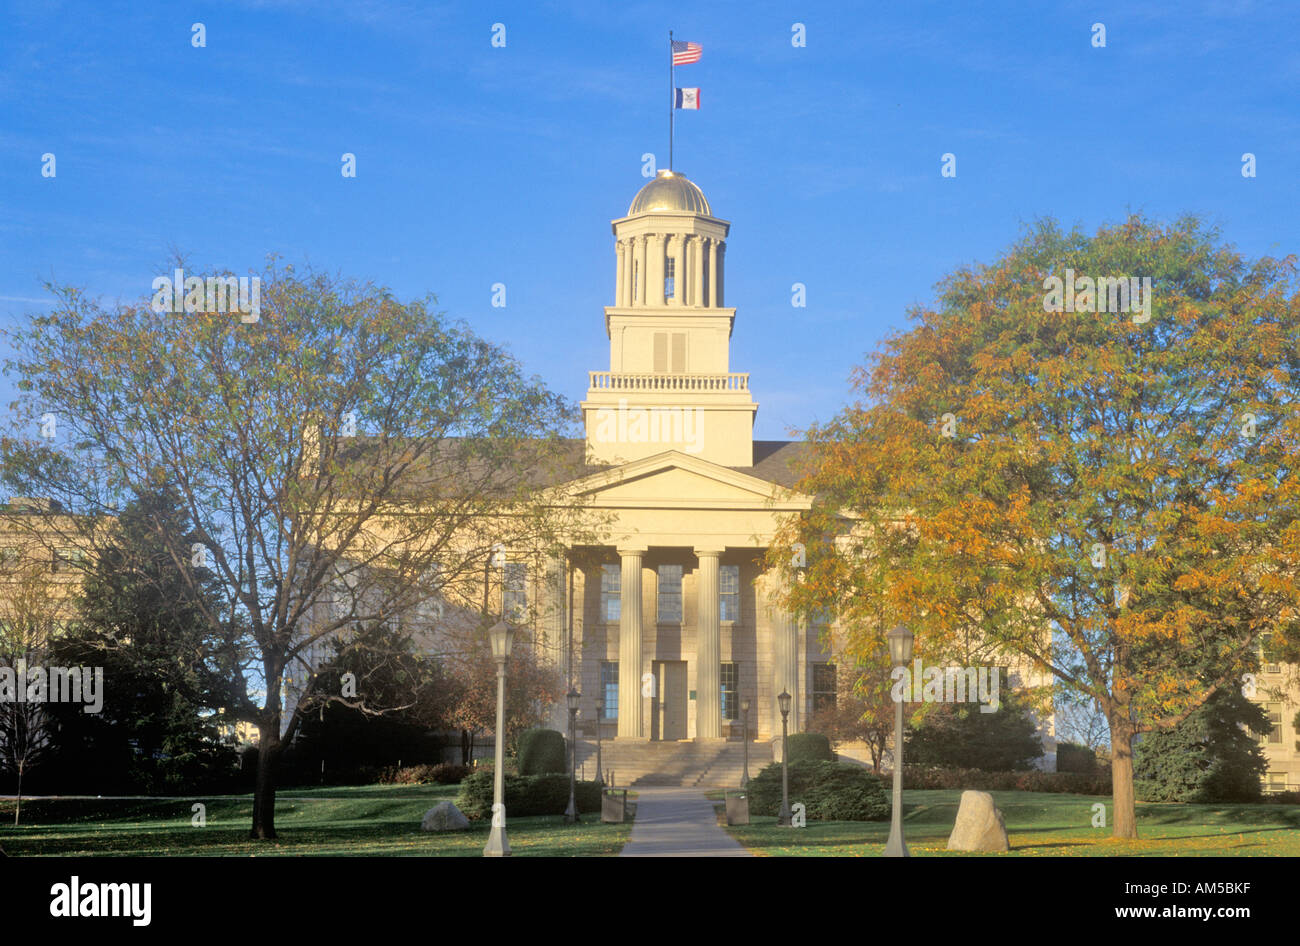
[[672, 699]]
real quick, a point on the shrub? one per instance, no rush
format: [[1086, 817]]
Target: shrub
[[1282, 798], [444, 773], [960, 735], [1070, 783], [831, 791], [1071, 757], [810, 747], [525, 795], [542, 752]]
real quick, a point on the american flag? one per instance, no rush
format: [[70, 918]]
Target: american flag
[[684, 53]]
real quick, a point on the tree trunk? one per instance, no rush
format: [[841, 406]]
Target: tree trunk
[[268, 751], [1123, 800], [464, 747], [18, 809]]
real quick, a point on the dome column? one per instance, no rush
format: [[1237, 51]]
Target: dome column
[[717, 275], [697, 270], [677, 250], [713, 275], [620, 274], [629, 263], [640, 264], [655, 269]]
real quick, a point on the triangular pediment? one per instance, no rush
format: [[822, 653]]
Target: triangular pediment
[[676, 479]]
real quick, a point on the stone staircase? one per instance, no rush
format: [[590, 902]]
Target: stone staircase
[[713, 763]]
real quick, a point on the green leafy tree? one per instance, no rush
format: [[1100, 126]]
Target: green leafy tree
[[1210, 756], [166, 668], [344, 457], [1108, 495], [409, 695], [961, 735], [863, 711]]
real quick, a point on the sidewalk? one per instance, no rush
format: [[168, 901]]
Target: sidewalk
[[678, 822]]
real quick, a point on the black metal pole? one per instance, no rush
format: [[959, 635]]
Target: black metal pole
[[784, 817]]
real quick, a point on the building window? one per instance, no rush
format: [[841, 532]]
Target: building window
[[611, 593], [1276, 782], [670, 271], [66, 559], [730, 691], [1274, 711], [515, 599], [609, 687], [729, 593], [823, 687], [668, 605], [1265, 646]]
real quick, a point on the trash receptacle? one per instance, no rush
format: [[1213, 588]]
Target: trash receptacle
[[613, 806], [737, 808]]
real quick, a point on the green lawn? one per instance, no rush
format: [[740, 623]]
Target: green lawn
[[1046, 825], [374, 820]]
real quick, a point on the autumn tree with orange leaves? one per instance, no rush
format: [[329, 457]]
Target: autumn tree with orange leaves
[[1107, 495]]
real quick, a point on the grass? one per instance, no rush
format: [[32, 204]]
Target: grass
[[1046, 825], [371, 820]]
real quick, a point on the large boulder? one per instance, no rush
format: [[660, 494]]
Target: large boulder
[[444, 816], [979, 825]]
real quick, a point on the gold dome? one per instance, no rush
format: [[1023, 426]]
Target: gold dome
[[672, 192]]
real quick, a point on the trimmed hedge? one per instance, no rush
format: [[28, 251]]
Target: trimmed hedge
[[542, 752], [1068, 783], [525, 795], [810, 747], [831, 791]]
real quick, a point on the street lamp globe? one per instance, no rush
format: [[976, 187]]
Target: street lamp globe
[[572, 699], [900, 645], [783, 701], [502, 636]]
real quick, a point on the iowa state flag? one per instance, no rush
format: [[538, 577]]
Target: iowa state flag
[[687, 98]]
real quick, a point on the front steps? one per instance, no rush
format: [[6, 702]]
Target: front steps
[[711, 763]]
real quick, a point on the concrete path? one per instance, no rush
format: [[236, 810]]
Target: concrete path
[[678, 822]]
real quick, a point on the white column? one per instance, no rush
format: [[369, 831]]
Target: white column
[[630, 702], [785, 667], [697, 271], [717, 275], [629, 261], [654, 269], [679, 285], [708, 649], [713, 274], [640, 255], [619, 273]]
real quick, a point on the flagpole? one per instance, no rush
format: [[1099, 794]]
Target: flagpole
[[672, 100]]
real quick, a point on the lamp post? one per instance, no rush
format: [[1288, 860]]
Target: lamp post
[[502, 636], [744, 713], [900, 653], [783, 816], [600, 716], [571, 813]]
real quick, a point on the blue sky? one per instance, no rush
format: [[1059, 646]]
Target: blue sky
[[478, 165]]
